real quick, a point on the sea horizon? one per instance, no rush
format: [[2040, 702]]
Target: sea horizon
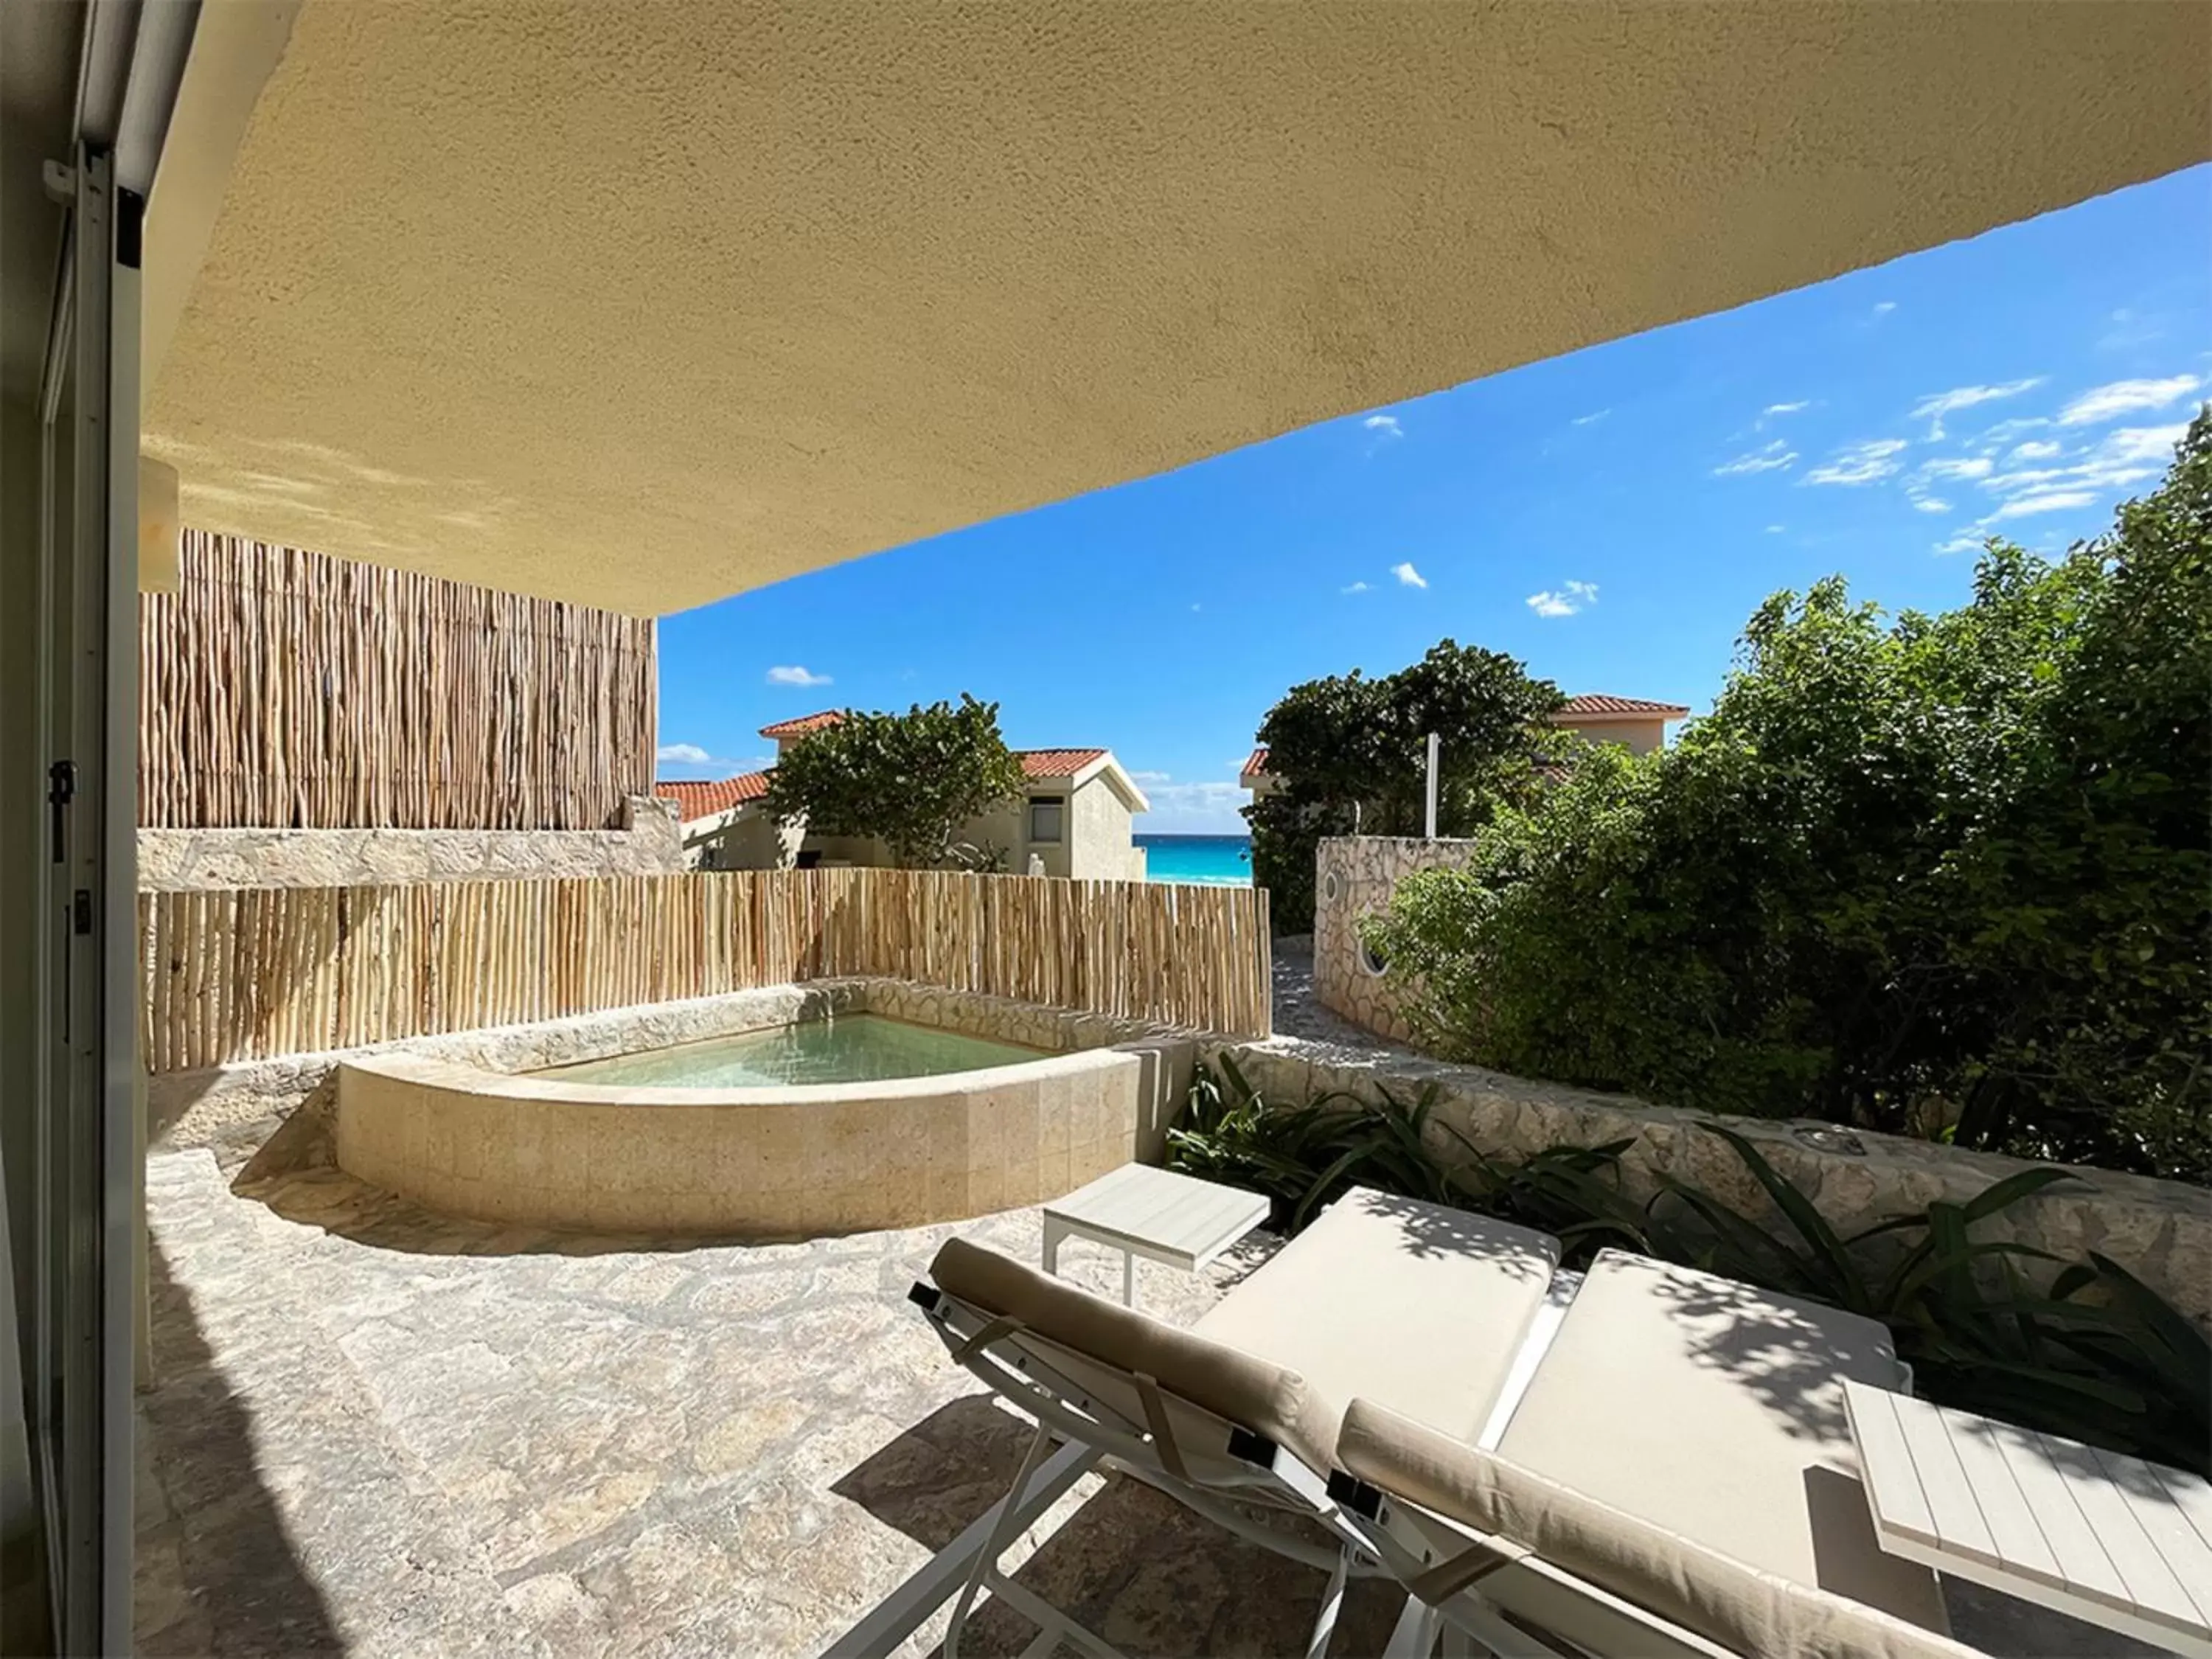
[[1214, 861]]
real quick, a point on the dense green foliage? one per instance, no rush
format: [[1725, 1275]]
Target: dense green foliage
[[909, 780], [1947, 875], [1351, 753], [2096, 1356]]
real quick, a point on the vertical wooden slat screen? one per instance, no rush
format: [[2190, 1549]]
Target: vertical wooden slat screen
[[288, 690], [248, 974]]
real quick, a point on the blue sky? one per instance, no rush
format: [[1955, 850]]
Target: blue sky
[[1610, 517]]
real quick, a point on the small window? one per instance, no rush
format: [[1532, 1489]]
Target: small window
[[1045, 814], [1372, 962]]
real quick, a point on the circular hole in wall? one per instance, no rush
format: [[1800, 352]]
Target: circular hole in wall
[[1330, 887], [1373, 961]]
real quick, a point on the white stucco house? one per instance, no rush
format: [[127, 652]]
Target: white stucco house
[[1075, 817], [1595, 717]]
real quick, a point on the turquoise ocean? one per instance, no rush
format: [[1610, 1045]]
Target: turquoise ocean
[[1212, 861]]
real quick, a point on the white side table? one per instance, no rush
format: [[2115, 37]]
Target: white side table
[[2109, 1538], [1155, 1213]]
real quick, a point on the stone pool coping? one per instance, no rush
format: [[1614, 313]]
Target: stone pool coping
[[271, 1114], [768, 1161]]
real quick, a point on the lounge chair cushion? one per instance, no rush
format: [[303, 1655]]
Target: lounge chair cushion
[[1414, 1305], [1245, 1389], [1715, 1411], [1744, 1609]]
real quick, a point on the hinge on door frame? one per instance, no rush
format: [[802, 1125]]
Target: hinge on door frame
[[61, 790]]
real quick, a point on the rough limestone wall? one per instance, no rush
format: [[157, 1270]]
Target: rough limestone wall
[[650, 843], [1354, 876], [2160, 1230]]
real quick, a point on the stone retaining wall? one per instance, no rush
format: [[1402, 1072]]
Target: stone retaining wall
[[649, 843], [2160, 1230], [1353, 877]]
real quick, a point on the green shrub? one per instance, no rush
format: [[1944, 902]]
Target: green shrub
[[2098, 1358], [1350, 754], [1946, 875]]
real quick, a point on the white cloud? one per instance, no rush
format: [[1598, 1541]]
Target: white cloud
[[2139, 443], [1786, 409], [1591, 419], [686, 759], [2040, 450], [2048, 500], [1150, 777], [1933, 407], [1768, 459], [1965, 542], [1408, 576], [2125, 397], [1929, 504], [1193, 808], [1356, 587], [1569, 598], [1883, 307], [1385, 424], [1976, 466], [1776, 529], [790, 674], [1858, 463]]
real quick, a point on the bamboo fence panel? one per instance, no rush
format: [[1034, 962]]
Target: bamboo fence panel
[[288, 690], [250, 973]]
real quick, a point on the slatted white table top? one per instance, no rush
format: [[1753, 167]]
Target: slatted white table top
[[2109, 1538], [1176, 1219]]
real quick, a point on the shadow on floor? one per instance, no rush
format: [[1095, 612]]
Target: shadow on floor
[[335, 1202], [1131, 1563], [215, 1569]]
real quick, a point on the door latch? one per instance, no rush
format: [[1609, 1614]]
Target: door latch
[[61, 790]]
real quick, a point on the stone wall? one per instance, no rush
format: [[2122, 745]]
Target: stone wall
[[2160, 1230], [649, 843], [1354, 876]]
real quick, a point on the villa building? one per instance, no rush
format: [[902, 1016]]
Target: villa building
[[1075, 817], [1595, 717]]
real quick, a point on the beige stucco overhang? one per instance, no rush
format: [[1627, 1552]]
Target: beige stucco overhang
[[642, 305]]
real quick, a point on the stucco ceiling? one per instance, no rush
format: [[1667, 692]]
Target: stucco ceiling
[[645, 304]]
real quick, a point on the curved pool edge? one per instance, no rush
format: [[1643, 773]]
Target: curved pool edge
[[759, 1163]]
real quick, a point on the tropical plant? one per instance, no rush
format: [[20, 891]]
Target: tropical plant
[[2097, 1357], [911, 781], [1348, 753], [1944, 875]]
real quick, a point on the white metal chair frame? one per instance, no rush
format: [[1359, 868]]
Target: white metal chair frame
[[1210, 1465]]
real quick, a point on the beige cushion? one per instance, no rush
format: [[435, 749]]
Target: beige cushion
[[1715, 1411], [1417, 1306], [1245, 1389], [1760, 1615], [1407, 1302]]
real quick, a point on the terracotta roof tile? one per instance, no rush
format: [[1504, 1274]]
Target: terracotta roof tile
[[1597, 702], [696, 798], [1256, 765], [1056, 763], [805, 723]]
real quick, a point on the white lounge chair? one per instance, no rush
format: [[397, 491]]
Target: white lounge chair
[[1421, 1315], [1240, 1411], [1677, 1478]]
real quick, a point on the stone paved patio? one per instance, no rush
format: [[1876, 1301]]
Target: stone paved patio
[[379, 1431]]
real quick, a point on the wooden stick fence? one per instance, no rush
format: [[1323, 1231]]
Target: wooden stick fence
[[289, 690], [249, 974]]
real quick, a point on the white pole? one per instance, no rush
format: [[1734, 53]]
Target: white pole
[[1432, 786]]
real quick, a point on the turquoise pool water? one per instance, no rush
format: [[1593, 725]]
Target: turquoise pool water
[[1214, 861], [856, 1048]]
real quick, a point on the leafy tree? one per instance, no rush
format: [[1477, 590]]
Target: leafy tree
[[1949, 875], [1352, 753], [909, 780]]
